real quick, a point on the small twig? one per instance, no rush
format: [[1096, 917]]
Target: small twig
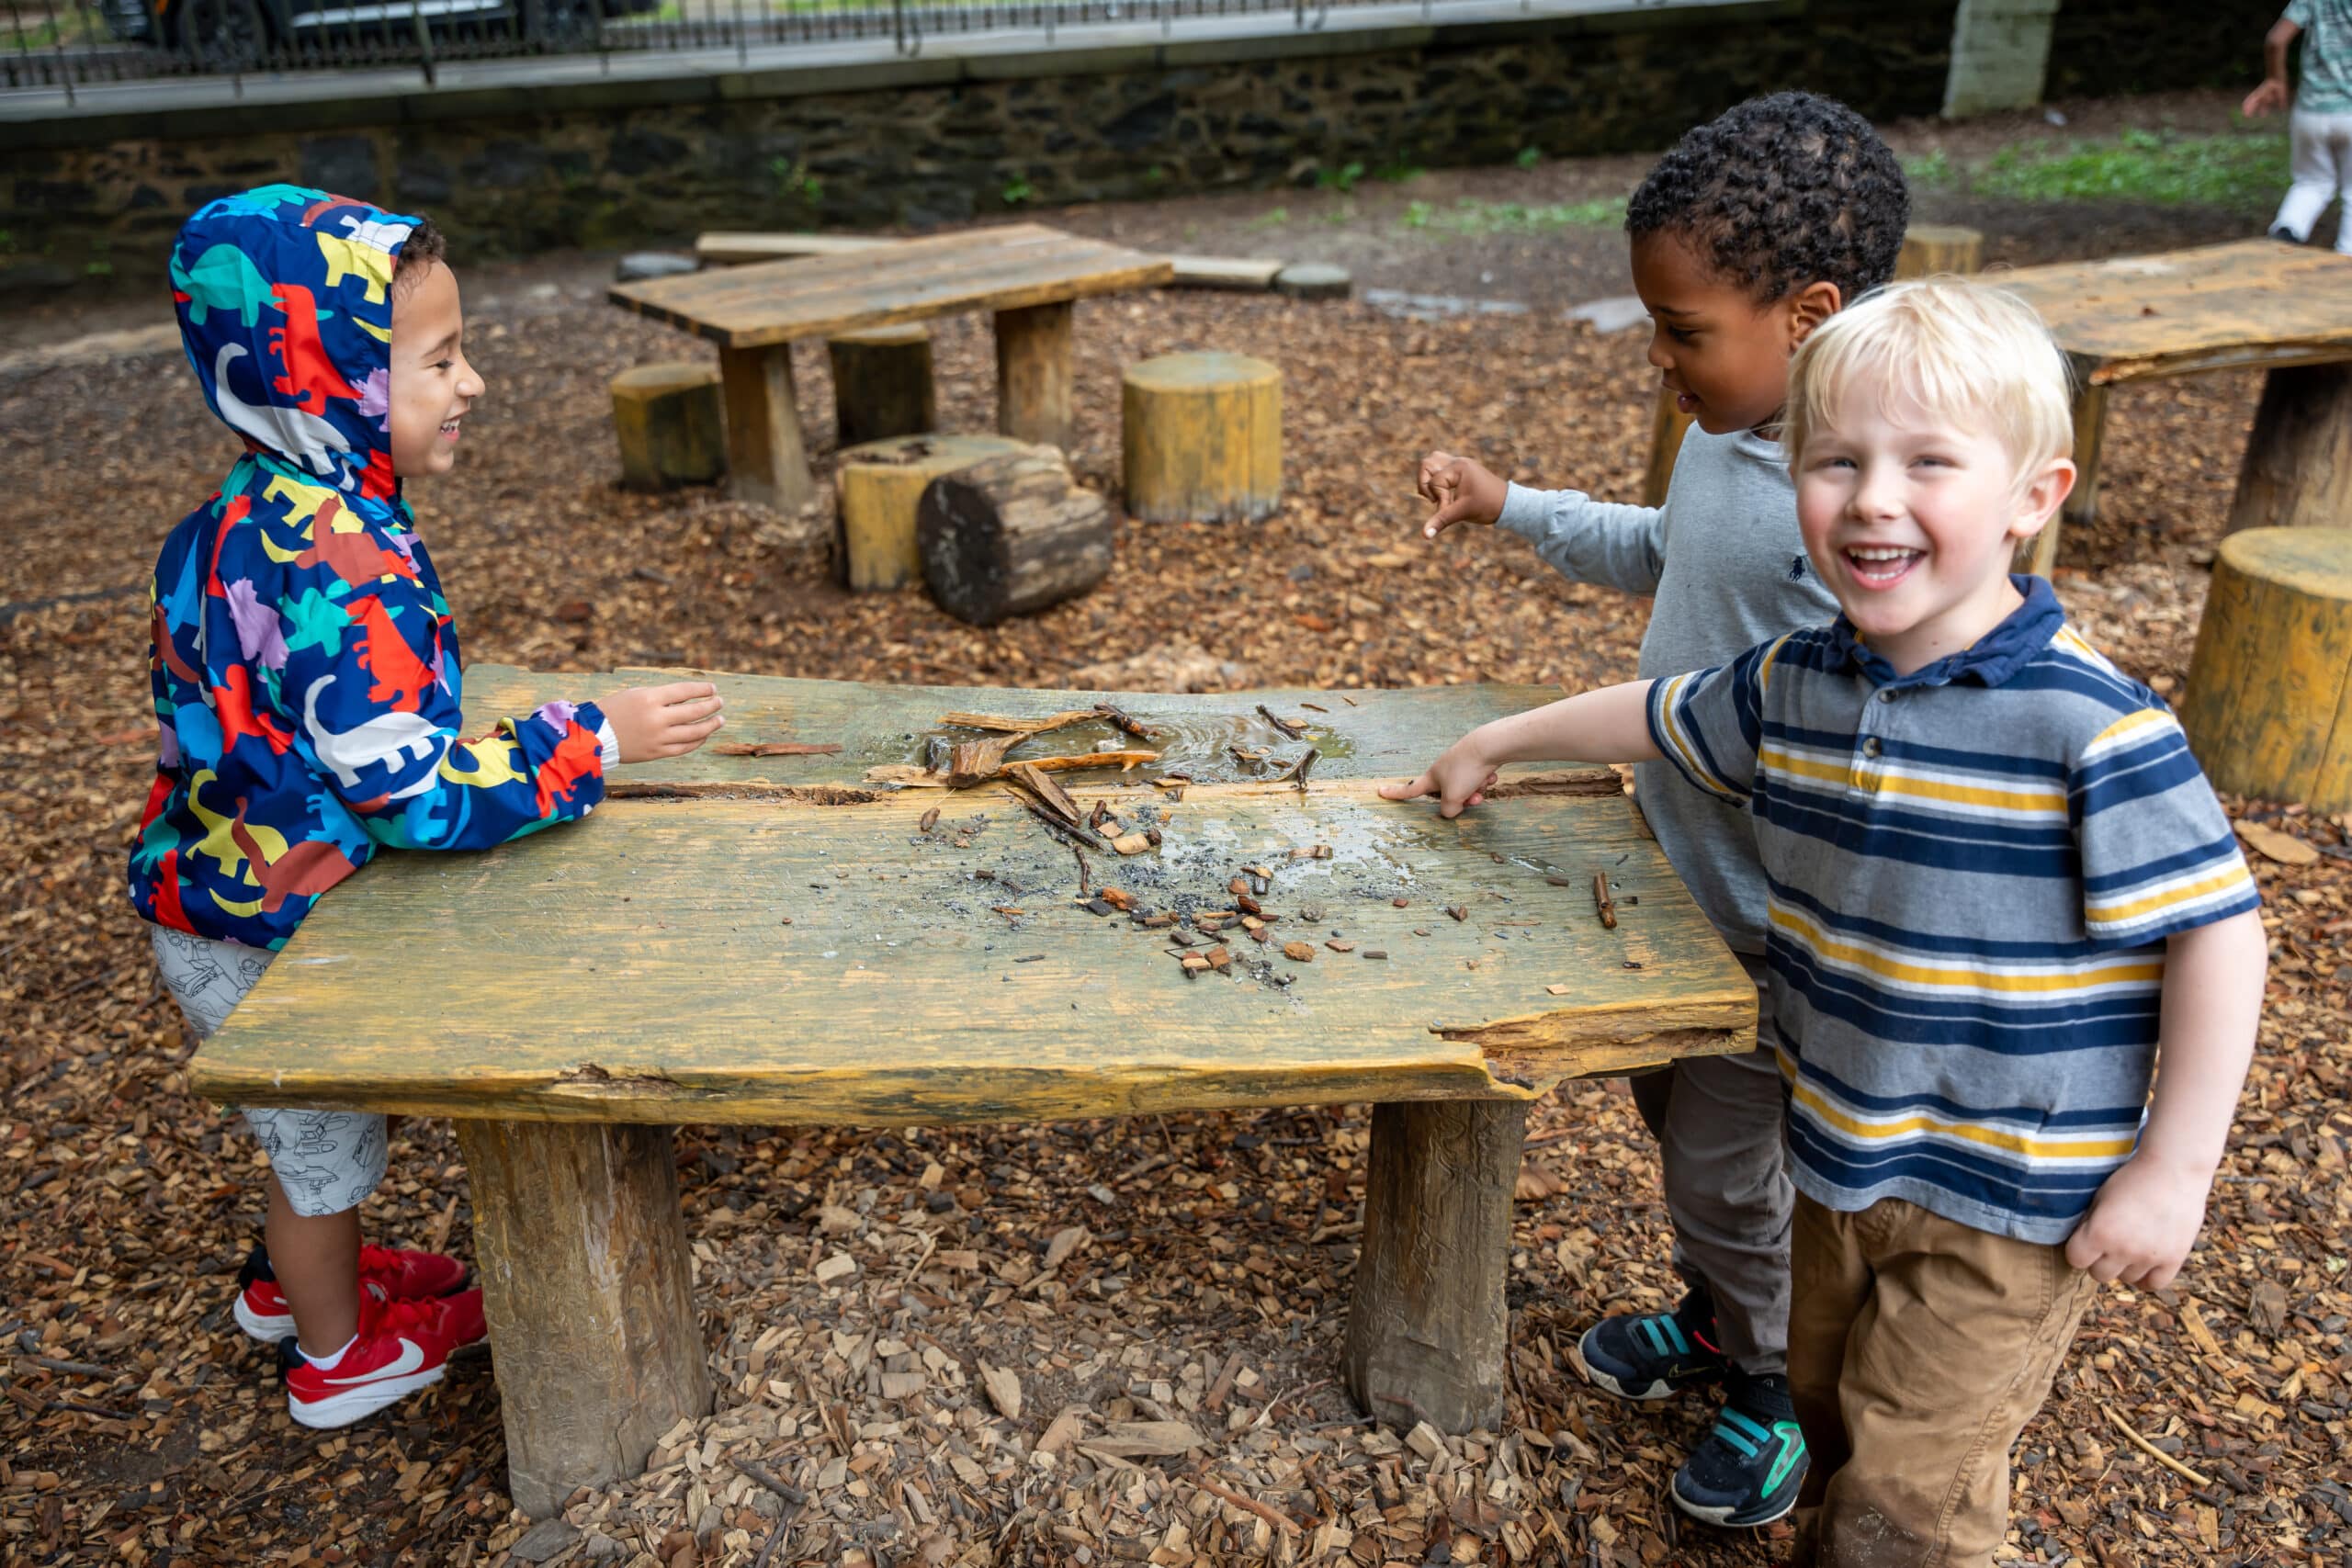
[[1279, 1521], [1298, 774], [769, 1479], [1291, 731], [77, 1368], [2151, 1450], [775, 1537], [1601, 901], [1140, 1167]]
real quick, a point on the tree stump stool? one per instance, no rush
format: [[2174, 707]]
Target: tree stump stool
[[882, 384], [2297, 472], [1202, 438], [1932, 248], [1009, 536], [2269, 703], [880, 486], [671, 424]]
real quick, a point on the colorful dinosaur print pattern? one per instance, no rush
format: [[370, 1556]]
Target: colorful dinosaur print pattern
[[305, 665]]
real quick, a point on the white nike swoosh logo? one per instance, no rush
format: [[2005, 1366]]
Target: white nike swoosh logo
[[411, 1359]]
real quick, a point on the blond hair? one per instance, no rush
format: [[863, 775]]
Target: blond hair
[[1948, 348]]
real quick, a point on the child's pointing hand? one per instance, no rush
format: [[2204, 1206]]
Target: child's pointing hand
[[1462, 489], [1459, 778]]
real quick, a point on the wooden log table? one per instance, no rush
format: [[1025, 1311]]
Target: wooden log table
[[1027, 273], [780, 941], [2252, 304]]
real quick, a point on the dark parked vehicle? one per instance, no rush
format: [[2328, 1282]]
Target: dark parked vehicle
[[237, 34]]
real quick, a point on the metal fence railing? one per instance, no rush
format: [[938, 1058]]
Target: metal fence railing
[[69, 43]]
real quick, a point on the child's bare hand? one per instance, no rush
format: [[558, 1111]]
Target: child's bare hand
[[2142, 1224], [1459, 778], [653, 722], [2267, 99], [1462, 489]]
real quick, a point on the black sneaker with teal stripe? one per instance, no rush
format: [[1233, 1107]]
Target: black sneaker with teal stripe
[[1745, 1472], [1655, 1355]]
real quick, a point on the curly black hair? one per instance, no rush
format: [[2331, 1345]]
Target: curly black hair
[[423, 246], [1780, 192]]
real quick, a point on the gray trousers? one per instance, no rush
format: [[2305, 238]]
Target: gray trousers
[[1718, 1125]]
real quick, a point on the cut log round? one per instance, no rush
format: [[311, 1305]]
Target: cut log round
[[671, 425], [2298, 468], [1011, 535], [2269, 704], [1032, 373], [882, 384], [1932, 248], [880, 485], [1202, 438]]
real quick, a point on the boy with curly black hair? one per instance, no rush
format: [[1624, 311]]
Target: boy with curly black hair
[[1756, 228]]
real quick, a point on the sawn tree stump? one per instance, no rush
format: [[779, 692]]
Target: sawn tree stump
[[2298, 468], [2270, 702], [1428, 1329], [882, 384], [880, 486], [671, 425], [1932, 248], [1202, 438], [1009, 536]]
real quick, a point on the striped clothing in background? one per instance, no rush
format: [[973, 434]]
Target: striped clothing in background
[[1972, 870]]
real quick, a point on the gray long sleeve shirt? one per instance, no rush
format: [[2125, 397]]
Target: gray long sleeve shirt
[[1727, 567]]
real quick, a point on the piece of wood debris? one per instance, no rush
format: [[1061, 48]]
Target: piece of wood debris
[[1060, 1432], [976, 762], [1065, 1242], [1125, 723], [1425, 1440], [1220, 958], [1298, 775], [2284, 848], [1338, 946], [930, 820], [1128, 1439], [1134, 843], [1457, 912], [838, 1266], [1602, 902], [1376, 952], [1311, 852], [905, 776], [1279, 1521], [1290, 731], [1003, 1389], [1118, 898], [1312, 708], [777, 748], [2153, 1452], [1014, 724], [1050, 794], [1559, 990], [1299, 951]]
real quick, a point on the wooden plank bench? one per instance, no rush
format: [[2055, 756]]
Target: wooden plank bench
[[2251, 304], [773, 940], [1025, 272]]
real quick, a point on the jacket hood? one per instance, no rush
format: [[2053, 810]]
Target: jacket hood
[[284, 296]]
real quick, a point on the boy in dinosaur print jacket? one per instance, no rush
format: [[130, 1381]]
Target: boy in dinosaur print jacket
[[306, 681]]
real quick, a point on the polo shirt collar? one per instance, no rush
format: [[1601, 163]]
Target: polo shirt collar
[[1990, 661]]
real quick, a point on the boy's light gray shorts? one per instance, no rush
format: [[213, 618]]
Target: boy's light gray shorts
[[327, 1161]]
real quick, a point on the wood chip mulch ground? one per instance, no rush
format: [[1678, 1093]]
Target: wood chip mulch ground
[[1066, 1344]]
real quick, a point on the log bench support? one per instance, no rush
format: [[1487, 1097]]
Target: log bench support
[[1033, 373], [766, 463], [1428, 1329], [588, 1287], [2297, 472], [2039, 555]]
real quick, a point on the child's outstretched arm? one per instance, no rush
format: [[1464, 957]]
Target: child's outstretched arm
[[1587, 540], [1611, 724], [2146, 1216]]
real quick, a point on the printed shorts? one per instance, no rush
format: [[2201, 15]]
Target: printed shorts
[[327, 1161]]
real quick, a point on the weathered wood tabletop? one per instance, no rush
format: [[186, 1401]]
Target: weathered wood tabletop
[[2251, 304], [779, 940], [1027, 273]]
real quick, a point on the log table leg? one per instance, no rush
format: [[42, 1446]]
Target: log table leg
[[2039, 555], [1032, 373], [766, 463], [1428, 1329], [2297, 466], [585, 1278]]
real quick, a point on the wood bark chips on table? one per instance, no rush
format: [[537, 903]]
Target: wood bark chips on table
[[1011, 535], [2269, 709], [589, 1292], [882, 384], [671, 424], [1202, 438]]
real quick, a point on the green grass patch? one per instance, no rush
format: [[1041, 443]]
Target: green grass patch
[[1470, 216], [2239, 170], [1274, 219]]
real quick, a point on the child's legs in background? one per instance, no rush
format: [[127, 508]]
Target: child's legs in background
[[2317, 167], [323, 1163], [1918, 1350], [1718, 1121]]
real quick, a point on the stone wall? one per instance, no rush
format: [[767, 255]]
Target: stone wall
[[940, 140], [2103, 47]]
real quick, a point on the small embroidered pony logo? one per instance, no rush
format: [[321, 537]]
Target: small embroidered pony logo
[[1797, 570]]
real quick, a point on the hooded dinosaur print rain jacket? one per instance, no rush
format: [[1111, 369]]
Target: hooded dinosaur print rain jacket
[[304, 664]]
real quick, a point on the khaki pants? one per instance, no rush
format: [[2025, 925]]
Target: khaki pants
[[1918, 1348]]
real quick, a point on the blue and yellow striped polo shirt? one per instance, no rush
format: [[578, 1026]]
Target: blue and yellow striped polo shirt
[[1972, 871]]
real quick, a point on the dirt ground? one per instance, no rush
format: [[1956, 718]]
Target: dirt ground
[[2207, 1422]]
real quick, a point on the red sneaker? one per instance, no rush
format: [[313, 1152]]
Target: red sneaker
[[383, 1273], [403, 1346]]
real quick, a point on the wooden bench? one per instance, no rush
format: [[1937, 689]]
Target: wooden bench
[[2252, 304], [1027, 273], [774, 941]]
